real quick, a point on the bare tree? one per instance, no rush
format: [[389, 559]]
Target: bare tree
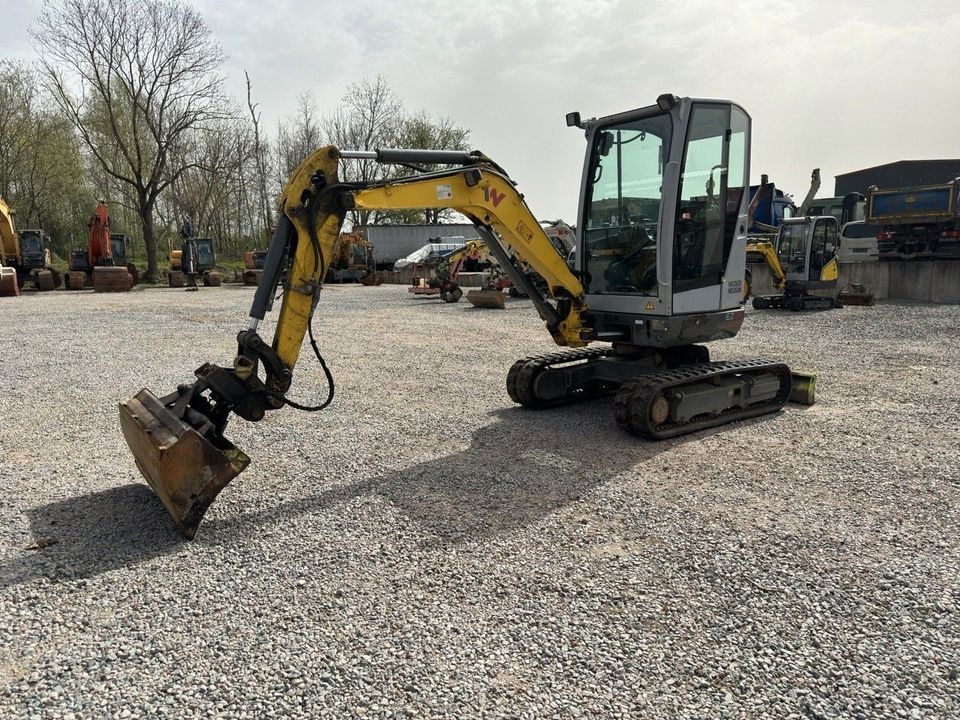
[[368, 118], [215, 192], [420, 130], [135, 77], [260, 158], [297, 136], [18, 96], [371, 116]]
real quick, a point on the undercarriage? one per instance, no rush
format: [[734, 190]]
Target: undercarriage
[[658, 394]]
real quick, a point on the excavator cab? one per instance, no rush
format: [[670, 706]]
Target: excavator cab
[[806, 248], [663, 219], [33, 249]]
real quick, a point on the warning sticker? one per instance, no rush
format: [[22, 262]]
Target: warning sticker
[[524, 232], [444, 192]]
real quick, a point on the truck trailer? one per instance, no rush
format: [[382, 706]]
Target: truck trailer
[[921, 222]]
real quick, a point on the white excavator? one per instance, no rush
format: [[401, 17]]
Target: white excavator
[[659, 272]]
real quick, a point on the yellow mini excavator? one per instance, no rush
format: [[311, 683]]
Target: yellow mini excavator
[[802, 257], [659, 270], [443, 281]]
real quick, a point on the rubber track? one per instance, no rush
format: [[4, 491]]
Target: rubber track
[[632, 404], [524, 372]]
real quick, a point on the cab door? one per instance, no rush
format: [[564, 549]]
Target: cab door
[[710, 243], [823, 249]]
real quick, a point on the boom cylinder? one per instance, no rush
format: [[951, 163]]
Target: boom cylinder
[[425, 157]]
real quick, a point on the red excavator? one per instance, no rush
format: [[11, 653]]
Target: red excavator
[[98, 264]]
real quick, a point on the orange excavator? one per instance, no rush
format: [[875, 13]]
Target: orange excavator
[[98, 261]]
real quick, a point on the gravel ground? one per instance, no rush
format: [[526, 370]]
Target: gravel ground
[[425, 549]]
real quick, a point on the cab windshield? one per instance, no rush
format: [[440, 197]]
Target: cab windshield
[[205, 254], [31, 242], [792, 247], [623, 205], [359, 254]]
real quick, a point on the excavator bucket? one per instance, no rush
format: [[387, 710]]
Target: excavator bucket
[[186, 470], [8, 282], [487, 298]]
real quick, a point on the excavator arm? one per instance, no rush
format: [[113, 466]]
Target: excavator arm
[[314, 204], [177, 440], [765, 251], [811, 193]]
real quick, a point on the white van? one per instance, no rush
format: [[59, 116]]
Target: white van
[[858, 242]]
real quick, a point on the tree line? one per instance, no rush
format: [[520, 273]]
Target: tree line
[[127, 102]]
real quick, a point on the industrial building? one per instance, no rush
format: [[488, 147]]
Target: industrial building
[[903, 173]]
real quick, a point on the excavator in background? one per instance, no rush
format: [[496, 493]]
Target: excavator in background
[[195, 257], [659, 273], [439, 277], [803, 258], [253, 261], [98, 266], [800, 252], [27, 253], [81, 272], [353, 261]]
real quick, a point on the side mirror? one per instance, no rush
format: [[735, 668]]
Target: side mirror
[[606, 142], [573, 120]]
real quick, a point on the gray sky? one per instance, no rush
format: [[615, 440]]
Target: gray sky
[[836, 85]]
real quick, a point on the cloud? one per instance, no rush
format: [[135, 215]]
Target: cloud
[[835, 85]]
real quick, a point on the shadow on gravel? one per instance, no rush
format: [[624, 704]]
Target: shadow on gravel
[[94, 533], [521, 468]]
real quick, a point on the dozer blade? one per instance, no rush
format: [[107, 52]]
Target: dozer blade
[[486, 299], [855, 294], [803, 390], [186, 470]]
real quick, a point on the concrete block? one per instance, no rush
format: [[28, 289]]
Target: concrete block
[[946, 281], [911, 281], [874, 275]]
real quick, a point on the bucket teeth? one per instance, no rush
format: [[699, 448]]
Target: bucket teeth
[[185, 469]]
